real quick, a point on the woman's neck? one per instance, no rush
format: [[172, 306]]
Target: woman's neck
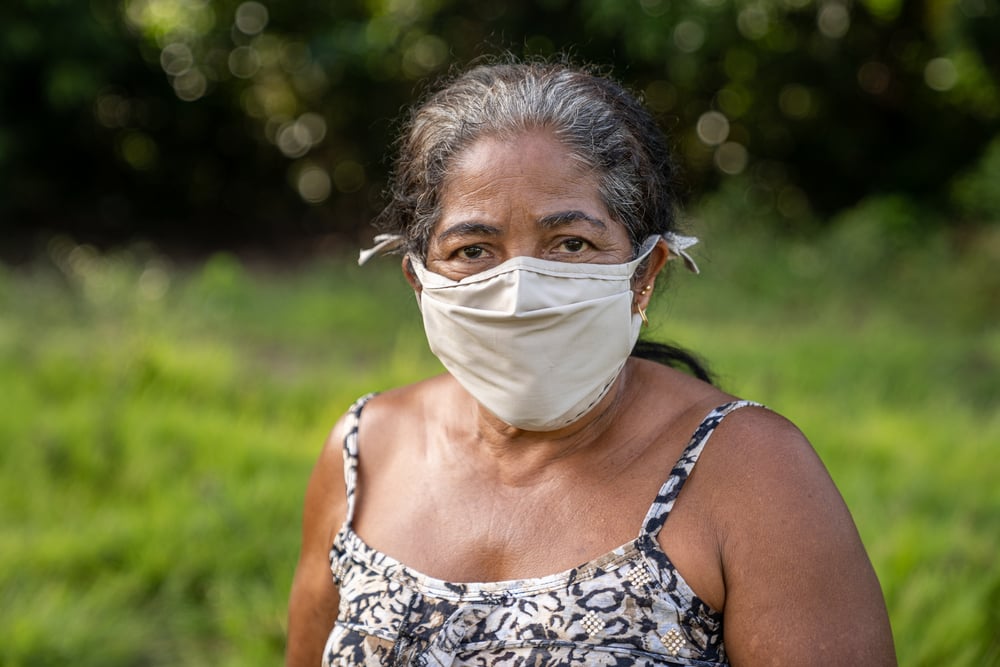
[[517, 454]]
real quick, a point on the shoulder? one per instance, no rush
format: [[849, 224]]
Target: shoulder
[[405, 412], [760, 471], [413, 401], [797, 578], [761, 459], [754, 435], [379, 419], [326, 493]]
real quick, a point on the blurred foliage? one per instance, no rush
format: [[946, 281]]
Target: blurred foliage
[[226, 120]]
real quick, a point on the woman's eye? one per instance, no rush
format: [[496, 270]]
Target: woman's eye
[[574, 245], [471, 252]]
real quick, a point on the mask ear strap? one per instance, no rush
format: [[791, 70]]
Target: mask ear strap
[[384, 244], [678, 244]]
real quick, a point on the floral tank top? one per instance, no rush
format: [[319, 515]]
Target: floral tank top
[[629, 607]]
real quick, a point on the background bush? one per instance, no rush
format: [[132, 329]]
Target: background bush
[[217, 123]]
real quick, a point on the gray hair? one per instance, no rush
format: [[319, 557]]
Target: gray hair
[[601, 124]]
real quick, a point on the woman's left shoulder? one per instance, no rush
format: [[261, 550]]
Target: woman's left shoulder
[[800, 588], [754, 451], [754, 438]]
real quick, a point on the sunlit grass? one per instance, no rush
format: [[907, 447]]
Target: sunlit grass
[[159, 422]]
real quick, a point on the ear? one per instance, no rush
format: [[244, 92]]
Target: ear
[[654, 264], [410, 276]]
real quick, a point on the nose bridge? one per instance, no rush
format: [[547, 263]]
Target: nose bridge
[[523, 296], [532, 291], [522, 247], [522, 236], [513, 292]]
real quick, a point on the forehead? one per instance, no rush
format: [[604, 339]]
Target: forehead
[[531, 169]]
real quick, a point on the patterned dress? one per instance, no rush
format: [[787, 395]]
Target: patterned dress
[[629, 607]]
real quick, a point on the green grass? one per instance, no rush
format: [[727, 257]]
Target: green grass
[[159, 423]]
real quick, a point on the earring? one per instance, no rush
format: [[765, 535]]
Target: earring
[[642, 311]]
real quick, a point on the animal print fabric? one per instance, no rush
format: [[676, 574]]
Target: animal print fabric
[[629, 607]]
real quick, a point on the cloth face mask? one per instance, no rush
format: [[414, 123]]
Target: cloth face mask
[[536, 342]]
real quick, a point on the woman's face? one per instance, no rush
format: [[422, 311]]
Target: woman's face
[[525, 196]]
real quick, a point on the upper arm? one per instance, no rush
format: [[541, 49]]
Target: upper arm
[[313, 602], [799, 586]]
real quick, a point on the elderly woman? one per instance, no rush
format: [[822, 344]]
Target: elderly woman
[[555, 498]]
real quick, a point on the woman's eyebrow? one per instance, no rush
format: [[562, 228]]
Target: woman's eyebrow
[[469, 227], [569, 217]]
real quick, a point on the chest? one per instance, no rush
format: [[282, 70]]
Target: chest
[[460, 527]]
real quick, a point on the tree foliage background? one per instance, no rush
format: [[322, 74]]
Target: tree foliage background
[[222, 122]]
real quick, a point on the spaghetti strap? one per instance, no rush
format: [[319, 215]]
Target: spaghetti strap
[[668, 493], [351, 454]]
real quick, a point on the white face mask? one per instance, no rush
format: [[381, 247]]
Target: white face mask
[[538, 343]]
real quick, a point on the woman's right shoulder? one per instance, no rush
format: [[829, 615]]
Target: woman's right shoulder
[[410, 403], [383, 418]]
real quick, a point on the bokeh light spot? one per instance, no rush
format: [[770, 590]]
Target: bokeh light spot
[[251, 18], [833, 20], [713, 128], [313, 184], [112, 110], [731, 158], [940, 74], [138, 150], [191, 85], [424, 56], [176, 58], [244, 62], [274, 97], [689, 36], [292, 140], [734, 101], [167, 20], [753, 21], [313, 126], [296, 138]]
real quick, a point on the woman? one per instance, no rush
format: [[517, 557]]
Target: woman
[[526, 507]]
